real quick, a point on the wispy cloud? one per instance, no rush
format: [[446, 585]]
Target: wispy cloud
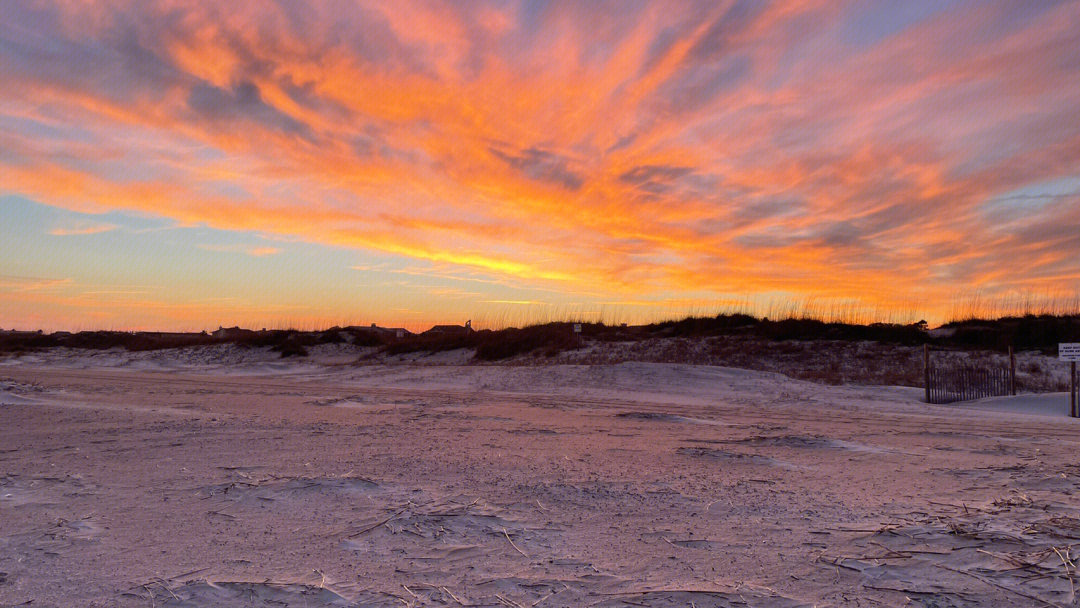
[[245, 249], [82, 228], [452, 292], [516, 302], [13, 283], [262, 251], [826, 148], [114, 292]]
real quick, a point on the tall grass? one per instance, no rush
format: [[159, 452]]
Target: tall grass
[[776, 316], [829, 310], [978, 306]]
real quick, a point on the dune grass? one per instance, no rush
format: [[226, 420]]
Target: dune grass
[[1026, 322]]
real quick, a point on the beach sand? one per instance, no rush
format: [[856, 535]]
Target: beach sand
[[635, 484]]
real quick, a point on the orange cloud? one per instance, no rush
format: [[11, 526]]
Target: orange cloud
[[803, 148]]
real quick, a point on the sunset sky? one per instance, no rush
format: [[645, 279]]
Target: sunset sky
[[182, 165]]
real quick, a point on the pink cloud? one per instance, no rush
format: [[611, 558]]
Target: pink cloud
[[83, 229], [252, 251]]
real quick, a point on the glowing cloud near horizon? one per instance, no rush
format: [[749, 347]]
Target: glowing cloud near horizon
[[891, 154]]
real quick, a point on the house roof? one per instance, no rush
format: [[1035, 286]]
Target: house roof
[[443, 328], [374, 327]]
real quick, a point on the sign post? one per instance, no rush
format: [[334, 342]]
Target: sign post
[[1070, 351]]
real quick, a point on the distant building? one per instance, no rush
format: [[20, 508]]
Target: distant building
[[450, 330], [231, 333], [394, 332]]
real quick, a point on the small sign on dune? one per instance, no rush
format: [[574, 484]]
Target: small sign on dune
[[1069, 351]]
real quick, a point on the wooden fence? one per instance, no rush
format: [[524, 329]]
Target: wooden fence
[[965, 382], [947, 385]]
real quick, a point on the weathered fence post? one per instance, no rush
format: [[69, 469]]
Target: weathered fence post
[[1012, 371], [1072, 390], [926, 369]]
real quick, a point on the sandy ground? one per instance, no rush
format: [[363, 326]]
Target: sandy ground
[[327, 484]]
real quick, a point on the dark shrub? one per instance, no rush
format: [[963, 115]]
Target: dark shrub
[[365, 337], [435, 343], [290, 348], [334, 335], [704, 326], [1042, 332], [549, 340]]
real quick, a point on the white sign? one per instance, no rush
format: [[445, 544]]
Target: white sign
[[1069, 351], [577, 329]]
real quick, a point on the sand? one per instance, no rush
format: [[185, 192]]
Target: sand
[[322, 483]]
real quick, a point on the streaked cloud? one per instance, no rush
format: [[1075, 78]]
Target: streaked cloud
[[515, 302], [20, 284], [252, 251], [633, 151], [82, 229]]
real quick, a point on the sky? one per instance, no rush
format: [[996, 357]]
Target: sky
[[185, 165]]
